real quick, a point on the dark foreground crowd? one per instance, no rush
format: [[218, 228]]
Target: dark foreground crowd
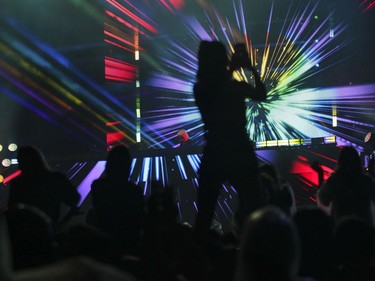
[[128, 237]]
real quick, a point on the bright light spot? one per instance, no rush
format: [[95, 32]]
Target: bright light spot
[[1, 147], [12, 147], [6, 163], [330, 139], [295, 142], [334, 121], [138, 136], [272, 143], [137, 84], [136, 55], [317, 65], [1, 178]]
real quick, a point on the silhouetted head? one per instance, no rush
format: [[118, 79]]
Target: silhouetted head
[[31, 160], [314, 225], [354, 241], [349, 160], [118, 162], [212, 61], [269, 247], [315, 230]]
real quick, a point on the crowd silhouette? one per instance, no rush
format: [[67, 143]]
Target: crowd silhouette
[[127, 236]]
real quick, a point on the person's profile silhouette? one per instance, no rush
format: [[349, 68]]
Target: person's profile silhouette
[[228, 155]]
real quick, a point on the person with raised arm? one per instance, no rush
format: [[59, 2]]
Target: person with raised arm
[[228, 154]]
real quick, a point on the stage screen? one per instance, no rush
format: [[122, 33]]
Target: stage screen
[[315, 58], [82, 75]]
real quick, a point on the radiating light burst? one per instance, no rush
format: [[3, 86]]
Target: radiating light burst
[[308, 112], [288, 60]]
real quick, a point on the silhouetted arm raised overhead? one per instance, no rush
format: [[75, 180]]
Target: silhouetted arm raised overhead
[[259, 90], [240, 59]]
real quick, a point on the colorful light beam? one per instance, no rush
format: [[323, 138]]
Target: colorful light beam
[[290, 58]]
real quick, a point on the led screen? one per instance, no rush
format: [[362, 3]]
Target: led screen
[[85, 74], [314, 56]]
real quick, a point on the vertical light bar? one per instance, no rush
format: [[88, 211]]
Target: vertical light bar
[[195, 206], [145, 189], [179, 210], [331, 28], [181, 167], [163, 174], [334, 116], [331, 33], [146, 168], [137, 86], [194, 162], [157, 168], [134, 161]]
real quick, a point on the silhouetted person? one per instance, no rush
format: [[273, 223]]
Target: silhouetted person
[[315, 230], [40, 186], [281, 193], [118, 203], [354, 249], [269, 248], [348, 191], [228, 154], [168, 250]]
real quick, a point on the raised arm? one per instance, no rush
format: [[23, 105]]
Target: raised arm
[[259, 91], [240, 59]]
